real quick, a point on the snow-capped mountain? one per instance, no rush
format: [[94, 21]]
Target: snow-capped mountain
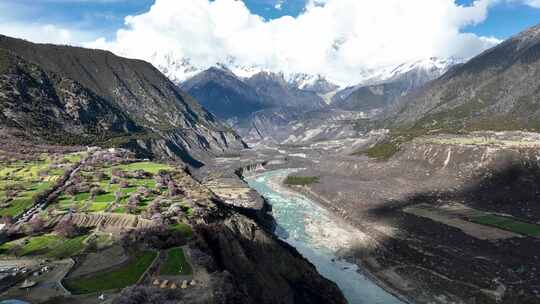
[[391, 83], [179, 70], [315, 83], [249, 95], [408, 75], [176, 69], [418, 71]]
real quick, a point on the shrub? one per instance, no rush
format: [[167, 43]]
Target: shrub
[[131, 207], [144, 191], [301, 180], [140, 174], [66, 228], [36, 224], [118, 172], [114, 180], [118, 196], [159, 237], [95, 191], [173, 189], [124, 184], [147, 294]]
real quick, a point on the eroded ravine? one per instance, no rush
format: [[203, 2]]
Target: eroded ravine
[[317, 236]]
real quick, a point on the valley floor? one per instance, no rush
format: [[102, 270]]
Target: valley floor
[[449, 219]]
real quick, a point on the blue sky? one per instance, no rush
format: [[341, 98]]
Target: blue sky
[[104, 17], [505, 19], [339, 38]]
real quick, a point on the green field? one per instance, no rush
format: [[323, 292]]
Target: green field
[[176, 263], [185, 229], [26, 179], [74, 157], [100, 177], [301, 180], [49, 245], [16, 207], [509, 224], [124, 276], [84, 202], [149, 167]]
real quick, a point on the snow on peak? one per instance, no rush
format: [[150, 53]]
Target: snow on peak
[[433, 67], [180, 69]]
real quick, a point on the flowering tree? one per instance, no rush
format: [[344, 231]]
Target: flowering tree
[[66, 228], [36, 223]]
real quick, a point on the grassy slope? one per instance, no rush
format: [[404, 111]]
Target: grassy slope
[[301, 180], [509, 224], [124, 276], [176, 263], [49, 245]]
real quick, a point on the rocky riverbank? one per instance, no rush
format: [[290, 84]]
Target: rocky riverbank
[[420, 209]]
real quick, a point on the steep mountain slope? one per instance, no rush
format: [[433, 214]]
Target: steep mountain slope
[[223, 93], [414, 73], [270, 125], [277, 92], [258, 107], [36, 103], [388, 84], [314, 83], [176, 125], [498, 90], [369, 98]]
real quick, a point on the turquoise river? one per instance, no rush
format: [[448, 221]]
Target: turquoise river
[[294, 214]]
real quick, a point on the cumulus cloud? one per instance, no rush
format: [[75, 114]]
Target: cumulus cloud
[[12, 15], [43, 33], [337, 38]]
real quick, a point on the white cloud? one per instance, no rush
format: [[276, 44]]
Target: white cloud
[[11, 14], [44, 33], [337, 38]]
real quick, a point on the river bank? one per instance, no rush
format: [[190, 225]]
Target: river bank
[[320, 236]]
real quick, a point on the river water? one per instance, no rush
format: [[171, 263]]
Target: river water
[[296, 216]]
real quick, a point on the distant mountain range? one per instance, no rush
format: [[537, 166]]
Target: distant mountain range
[[74, 95], [388, 84], [239, 101], [261, 104]]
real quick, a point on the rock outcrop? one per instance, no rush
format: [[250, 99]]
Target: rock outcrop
[[264, 269]]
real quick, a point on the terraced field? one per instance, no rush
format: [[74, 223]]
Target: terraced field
[[21, 181], [109, 188], [109, 198]]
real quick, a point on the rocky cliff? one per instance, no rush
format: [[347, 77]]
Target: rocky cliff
[[264, 269], [174, 124]]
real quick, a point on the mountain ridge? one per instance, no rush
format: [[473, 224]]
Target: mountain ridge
[[176, 125], [495, 90]]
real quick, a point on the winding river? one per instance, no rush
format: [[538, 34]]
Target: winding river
[[305, 225]]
